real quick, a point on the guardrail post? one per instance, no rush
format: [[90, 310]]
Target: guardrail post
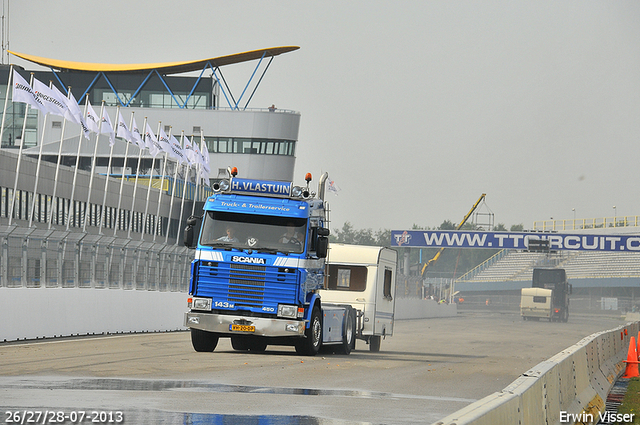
[[5, 261], [43, 263], [24, 261]]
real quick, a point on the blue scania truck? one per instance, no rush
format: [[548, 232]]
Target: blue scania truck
[[260, 250]]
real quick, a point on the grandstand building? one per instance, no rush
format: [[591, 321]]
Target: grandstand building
[[190, 98]]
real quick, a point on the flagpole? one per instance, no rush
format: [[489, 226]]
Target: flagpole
[[55, 180], [164, 170], [106, 183], [173, 192], [124, 166], [6, 102], [35, 185], [135, 185], [75, 172], [146, 207], [15, 184], [184, 192], [196, 193], [93, 168]]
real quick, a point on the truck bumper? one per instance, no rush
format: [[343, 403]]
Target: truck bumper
[[222, 323]]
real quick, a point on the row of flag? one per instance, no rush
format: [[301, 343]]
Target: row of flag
[[48, 99]]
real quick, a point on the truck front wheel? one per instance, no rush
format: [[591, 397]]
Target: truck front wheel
[[203, 341], [310, 344]]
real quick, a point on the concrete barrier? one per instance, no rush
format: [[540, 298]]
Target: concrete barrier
[[32, 313], [572, 384]]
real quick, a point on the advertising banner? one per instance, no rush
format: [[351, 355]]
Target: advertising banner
[[512, 240]]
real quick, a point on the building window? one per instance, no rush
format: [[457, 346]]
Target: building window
[[250, 146]]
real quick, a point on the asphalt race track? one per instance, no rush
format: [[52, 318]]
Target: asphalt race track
[[428, 369]]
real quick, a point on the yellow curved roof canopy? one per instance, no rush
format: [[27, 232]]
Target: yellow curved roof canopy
[[162, 68]]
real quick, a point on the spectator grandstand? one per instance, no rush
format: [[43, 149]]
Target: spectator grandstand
[[596, 276], [514, 265]]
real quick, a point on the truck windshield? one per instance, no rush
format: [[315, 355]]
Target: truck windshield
[[257, 232]]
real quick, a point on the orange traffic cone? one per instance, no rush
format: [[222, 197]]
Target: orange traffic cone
[[632, 361]]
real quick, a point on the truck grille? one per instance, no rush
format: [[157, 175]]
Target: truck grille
[[247, 285]]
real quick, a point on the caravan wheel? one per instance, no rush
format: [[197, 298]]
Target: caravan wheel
[[374, 343]]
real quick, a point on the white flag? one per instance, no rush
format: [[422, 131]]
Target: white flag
[[176, 148], [151, 142], [92, 118], [205, 170], [163, 142], [74, 114], [107, 128], [53, 101], [22, 92], [333, 187], [123, 131], [135, 134], [189, 152]]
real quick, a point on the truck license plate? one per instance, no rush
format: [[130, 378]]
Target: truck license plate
[[242, 328]]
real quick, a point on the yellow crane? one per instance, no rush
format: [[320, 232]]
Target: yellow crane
[[464, 220]]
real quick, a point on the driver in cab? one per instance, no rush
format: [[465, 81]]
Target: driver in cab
[[230, 236], [291, 236]]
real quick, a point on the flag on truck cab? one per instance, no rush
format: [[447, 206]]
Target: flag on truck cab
[[333, 187]]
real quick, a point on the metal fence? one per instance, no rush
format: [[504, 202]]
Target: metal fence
[[36, 258]]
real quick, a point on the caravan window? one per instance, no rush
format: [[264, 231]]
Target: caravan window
[[347, 278], [387, 284], [539, 299]]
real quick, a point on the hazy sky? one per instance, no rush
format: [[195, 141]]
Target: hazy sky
[[415, 108]]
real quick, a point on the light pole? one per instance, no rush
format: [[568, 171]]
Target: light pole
[[574, 218], [615, 216]]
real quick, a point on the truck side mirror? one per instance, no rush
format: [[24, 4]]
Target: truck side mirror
[[322, 247], [323, 231], [189, 232]]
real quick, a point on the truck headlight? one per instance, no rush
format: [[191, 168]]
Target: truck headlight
[[290, 311], [201, 304]]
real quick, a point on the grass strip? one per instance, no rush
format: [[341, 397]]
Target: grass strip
[[631, 401]]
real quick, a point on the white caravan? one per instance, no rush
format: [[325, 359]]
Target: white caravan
[[363, 277]]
